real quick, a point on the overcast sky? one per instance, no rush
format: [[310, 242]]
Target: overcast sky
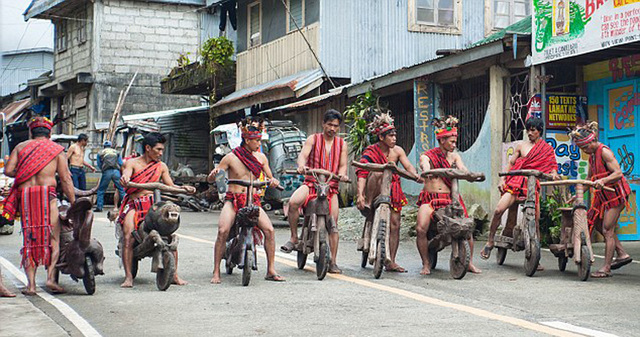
[[15, 33]]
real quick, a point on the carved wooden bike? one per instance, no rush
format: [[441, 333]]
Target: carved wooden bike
[[575, 240], [317, 224], [374, 243], [451, 227], [155, 236], [241, 248], [524, 235]]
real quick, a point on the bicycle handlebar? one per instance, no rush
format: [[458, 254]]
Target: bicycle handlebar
[[587, 183], [254, 183], [527, 173], [454, 174], [158, 186], [388, 166], [313, 172]]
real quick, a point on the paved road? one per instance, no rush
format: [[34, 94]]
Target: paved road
[[499, 301]]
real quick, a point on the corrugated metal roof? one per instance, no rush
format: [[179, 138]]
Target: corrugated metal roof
[[12, 110], [157, 114], [305, 102], [522, 27]]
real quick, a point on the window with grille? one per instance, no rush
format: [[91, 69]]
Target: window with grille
[[468, 101], [296, 8], [81, 26], [254, 24], [61, 35], [515, 105], [508, 12]]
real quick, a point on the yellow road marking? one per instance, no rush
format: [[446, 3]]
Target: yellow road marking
[[422, 298]]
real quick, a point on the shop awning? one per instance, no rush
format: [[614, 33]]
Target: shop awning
[[287, 87], [164, 113], [12, 111], [306, 102]]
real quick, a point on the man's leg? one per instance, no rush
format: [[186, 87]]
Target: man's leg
[[55, 248], [609, 221], [227, 216], [119, 190], [127, 248], [82, 180], [472, 267], [422, 227], [4, 292], [102, 187], [394, 242], [176, 279], [505, 202], [620, 252], [30, 270], [295, 202], [74, 177], [269, 246], [334, 238]]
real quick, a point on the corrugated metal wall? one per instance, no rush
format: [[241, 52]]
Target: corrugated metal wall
[[209, 27], [17, 69], [188, 140], [364, 38]]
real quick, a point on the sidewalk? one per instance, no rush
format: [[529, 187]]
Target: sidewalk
[[19, 317]]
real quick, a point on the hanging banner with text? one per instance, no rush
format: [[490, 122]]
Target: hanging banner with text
[[563, 111], [565, 28]]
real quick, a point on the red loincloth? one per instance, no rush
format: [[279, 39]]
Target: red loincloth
[[239, 200], [438, 159], [320, 158], [603, 200], [373, 154], [437, 200], [150, 174], [249, 160], [35, 210], [31, 159], [541, 157]]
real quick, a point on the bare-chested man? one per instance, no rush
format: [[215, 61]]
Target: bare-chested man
[[34, 164], [606, 207], [245, 162], [382, 152], [147, 168], [324, 151], [436, 192], [531, 154], [77, 162]]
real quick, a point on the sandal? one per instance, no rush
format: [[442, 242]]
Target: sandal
[[275, 278], [485, 253], [333, 269], [600, 274], [288, 247], [619, 263]]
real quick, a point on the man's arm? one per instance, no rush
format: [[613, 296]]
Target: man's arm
[[459, 164], [165, 177], [127, 171], [65, 177], [613, 166], [99, 161], [362, 183], [222, 166], [404, 160], [304, 154], [342, 168], [425, 163], [267, 171], [10, 166]]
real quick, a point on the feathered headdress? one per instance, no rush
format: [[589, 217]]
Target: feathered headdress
[[446, 128], [245, 125], [381, 123], [40, 122], [584, 134]]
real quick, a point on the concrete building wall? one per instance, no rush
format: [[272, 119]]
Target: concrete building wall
[[76, 57]]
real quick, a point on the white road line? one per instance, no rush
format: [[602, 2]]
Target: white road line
[[80, 323], [598, 256], [577, 329]]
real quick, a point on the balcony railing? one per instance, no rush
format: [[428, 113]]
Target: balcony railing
[[285, 56]]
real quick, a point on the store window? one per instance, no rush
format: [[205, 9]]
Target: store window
[[254, 24], [295, 14], [439, 16]]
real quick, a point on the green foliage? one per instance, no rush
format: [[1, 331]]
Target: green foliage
[[216, 51], [551, 215], [183, 60], [357, 116]]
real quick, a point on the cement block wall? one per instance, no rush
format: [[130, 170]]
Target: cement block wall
[[77, 57]]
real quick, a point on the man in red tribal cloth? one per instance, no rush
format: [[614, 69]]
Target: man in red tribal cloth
[[245, 162], [34, 164], [436, 193], [147, 168], [382, 152], [606, 206], [532, 154], [324, 151]]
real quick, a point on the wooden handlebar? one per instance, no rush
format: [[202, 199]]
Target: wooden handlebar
[[388, 166], [454, 174], [588, 183], [158, 186], [526, 173]]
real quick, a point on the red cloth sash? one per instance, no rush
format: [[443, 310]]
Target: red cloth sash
[[239, 200], [35, 208], [150, 174], [140, 205], [603, 200], [438, 159], [373, 154], [326, 159], [541, 157], [249, 160], [437, 200], [31, 159]]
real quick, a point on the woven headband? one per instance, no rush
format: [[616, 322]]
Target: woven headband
[[40, 122]]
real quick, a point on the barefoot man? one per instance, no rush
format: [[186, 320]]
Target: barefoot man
[[324, 151], [147, 168], [4, 292], [382, 152], [77, 163], [606, 206], [34, 164], [245, 162], [436, 193], [531, 154]]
